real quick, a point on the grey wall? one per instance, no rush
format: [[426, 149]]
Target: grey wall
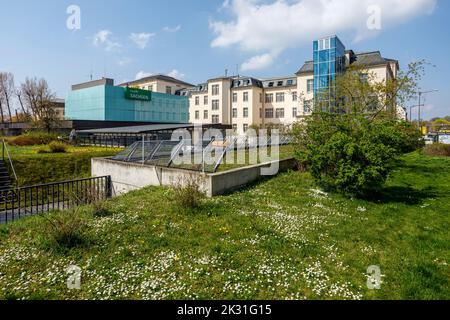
[[132, 176]]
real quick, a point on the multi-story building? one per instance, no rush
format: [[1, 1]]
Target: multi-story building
[[246, 101], [102, 101]]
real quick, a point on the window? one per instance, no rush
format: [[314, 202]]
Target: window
[[310, 85], [269, 113], [169, 90], [215, 104], [290, 82], [197, 115], [324, 44], [364, 77], [245, 96], [260, 112], [215, 119], [280, 97], [215, 90], [235, 113], [197, 101], [307, 106], [280, 83], [150, 88], [245, 112], [294, 112], [234, 97], [205, 114], [205, 100], [280, 113], [245, 127], [271, 84], [294, 96], [269, 97], [234, 127]]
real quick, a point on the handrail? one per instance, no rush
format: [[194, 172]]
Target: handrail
[[10, 160]]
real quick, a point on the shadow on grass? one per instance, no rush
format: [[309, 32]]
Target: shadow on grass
[[398, 194]]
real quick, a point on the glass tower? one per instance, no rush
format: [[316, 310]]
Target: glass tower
[[329, 61]]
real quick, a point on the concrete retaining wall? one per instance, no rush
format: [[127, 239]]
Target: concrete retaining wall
[[132, 176]]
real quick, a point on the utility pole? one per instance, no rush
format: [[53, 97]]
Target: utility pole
[[420, 104]]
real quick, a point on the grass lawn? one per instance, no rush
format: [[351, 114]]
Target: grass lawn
[[278, 239], [34, 168]]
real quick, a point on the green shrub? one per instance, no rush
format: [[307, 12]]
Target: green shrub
[[34, 169], [33, 138], [437, 149], [65, 230], [188, 192], [58, 147], [101, 209], [351, 154], [43, 150]]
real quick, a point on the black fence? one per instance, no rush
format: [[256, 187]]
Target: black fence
[[26, 201], [117, 141]]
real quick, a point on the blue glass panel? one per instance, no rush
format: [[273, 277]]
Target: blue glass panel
[[333, 42], [315, 45], [323, 55]]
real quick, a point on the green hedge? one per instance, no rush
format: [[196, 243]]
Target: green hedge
[[44, 168]]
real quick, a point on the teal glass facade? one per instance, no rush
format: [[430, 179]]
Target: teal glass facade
[[329, 61], [108, 103]]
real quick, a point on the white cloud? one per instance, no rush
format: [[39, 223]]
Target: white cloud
[[176, 74], [172, 29], [124, 61], [141, 39], [270, 28], [104, 39], [142, 74], [258, 62]]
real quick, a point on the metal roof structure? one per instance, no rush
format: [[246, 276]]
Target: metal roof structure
[[150, 128], [140, 129]]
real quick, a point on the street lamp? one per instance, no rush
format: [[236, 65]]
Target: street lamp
[[410, 112], [420, 103]]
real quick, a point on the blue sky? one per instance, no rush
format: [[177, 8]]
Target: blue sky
[[198, 39]]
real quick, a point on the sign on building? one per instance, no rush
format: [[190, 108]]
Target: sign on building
[[138, 94]]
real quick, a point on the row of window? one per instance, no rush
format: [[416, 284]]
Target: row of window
[[215, 118], [168, 89], [279, 97], [244, 127], [269, 112]]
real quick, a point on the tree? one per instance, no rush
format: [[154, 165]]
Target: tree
[[440, 123], [352, 146], [7, 89], [37, 97]]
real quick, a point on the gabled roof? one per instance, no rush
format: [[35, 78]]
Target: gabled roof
[[362, 59], [307, 68], [161, 77]]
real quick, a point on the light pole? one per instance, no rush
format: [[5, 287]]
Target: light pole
[[420, 103], [410, 112]]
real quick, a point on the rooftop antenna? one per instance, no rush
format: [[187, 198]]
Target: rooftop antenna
[[237, 70], [226, 72]]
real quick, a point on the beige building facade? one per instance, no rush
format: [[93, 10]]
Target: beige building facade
[[244, 102]]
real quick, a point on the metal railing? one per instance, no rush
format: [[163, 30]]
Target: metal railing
[[5, 150], [26, 201]]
